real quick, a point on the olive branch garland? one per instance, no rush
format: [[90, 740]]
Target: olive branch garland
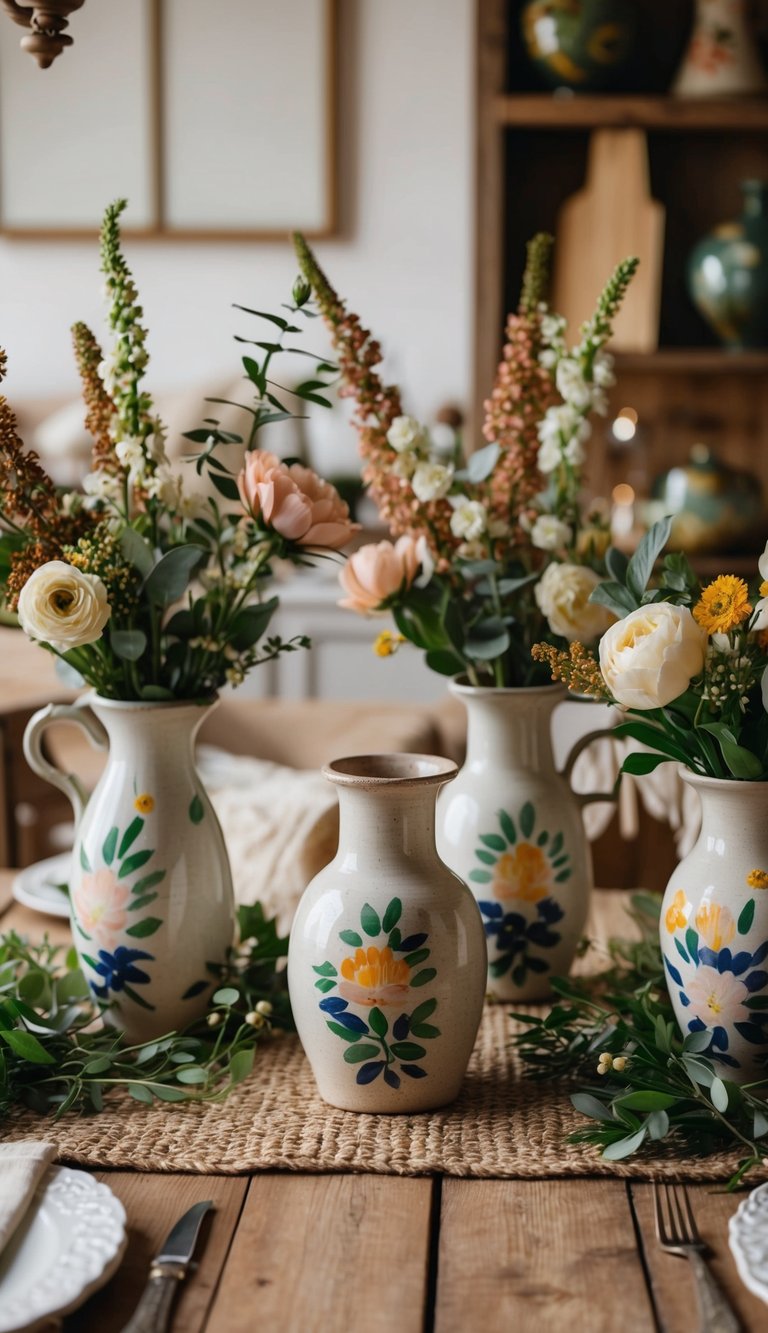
[[56, 1057], [653, 1085]]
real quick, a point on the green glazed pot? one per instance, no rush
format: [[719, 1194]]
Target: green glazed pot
[[716, 507], [584, 45], [728, 274]]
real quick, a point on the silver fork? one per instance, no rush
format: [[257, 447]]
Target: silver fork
[[677, 1233]]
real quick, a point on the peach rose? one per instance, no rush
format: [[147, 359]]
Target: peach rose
[[377, 572], [294, 501], [100, 904]]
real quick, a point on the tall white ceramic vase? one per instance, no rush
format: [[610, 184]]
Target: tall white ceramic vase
[[387, 958], [150, 888], [722, 59], [512, 827], [714, 928]]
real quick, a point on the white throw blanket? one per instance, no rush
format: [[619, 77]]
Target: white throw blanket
[[22, 1166]]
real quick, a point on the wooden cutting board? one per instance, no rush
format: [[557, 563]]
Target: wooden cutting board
[[612, 217]]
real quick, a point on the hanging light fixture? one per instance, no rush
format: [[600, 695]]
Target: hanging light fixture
[[46, 20]]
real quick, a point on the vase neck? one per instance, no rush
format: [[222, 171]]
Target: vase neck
[[509, 729], [169, 730], [380, 826]]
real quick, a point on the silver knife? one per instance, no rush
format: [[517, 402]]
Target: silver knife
[[169, 1268]]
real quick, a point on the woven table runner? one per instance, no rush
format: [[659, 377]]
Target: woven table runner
[[503, 1125]]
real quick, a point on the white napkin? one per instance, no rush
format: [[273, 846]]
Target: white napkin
[[22, 1166]]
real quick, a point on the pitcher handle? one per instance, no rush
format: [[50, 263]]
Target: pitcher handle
[[578, 748], [69, 783]]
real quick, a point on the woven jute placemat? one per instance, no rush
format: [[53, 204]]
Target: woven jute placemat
[[503, 1125]]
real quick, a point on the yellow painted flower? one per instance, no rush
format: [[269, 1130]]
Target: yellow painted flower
[[757, 879], [386, 644], [677, 913], [145, 803], [723, 604], [374, 976], [524, 873], [715, 924]]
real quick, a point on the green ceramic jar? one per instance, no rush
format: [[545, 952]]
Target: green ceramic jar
[[728, 274], [584, 45]]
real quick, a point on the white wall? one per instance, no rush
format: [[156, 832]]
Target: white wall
[[403, 261]]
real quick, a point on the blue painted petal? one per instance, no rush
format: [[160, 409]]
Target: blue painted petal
[[493, 927], [549, 910], [752, 1033], [696, 1024], [725, 1060], [391, 1078], [685, 1001], [725, 961], [490, 909], [720, 1039], [367, 1073], [134, 974], [401, 1027], [333, 1005], [707, 956], [539, 934], [673, 972], [514, 921], [414, 1071], [756, 980], [351, 1021], [741, 961], [537, 964], [760, 954], [411, 943]]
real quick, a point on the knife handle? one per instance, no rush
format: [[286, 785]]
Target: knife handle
[[154, 1308]]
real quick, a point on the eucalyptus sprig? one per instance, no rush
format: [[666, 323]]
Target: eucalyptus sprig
[[57, 1056], [615, 1035]]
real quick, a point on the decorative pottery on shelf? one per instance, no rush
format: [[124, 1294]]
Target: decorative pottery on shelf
[[722, 58], [580, 44], [728, 273], [716, 507], [714, 928], [387, 957], [511, 826], [150, 888]]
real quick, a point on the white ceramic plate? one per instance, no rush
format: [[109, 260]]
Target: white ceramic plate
[[69, 1245], [748, 1239], [36, 886]]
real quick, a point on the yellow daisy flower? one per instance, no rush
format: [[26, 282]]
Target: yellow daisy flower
[[387, 643], [145, 803], [723, 604], [757, 879]]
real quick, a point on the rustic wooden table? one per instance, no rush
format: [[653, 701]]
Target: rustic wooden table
[[299, 1253]]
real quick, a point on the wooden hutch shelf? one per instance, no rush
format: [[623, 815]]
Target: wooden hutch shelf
[[692, 361], [581, 111]]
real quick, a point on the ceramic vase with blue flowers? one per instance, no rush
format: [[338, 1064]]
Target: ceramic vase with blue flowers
[[150, 888], [714, 929]]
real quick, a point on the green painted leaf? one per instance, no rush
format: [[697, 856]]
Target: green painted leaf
[[423, 1011], [109, 847], [141, 929], [196, 988], [149, 881], [561, 861], [480, 876], [542, 839], [392, 914], [418, 956], [519, 974], [408, 1050], [324, 985], [395, 939], [144, 901], [507, 826], [351, 937], [134, 862], [325, 970], [345, 1033], [196, 811], [499, 966], [487, 858], [139, 1000], [562, 877], [424, 1030], [746, 917], [378, 1022], [363, 1050], [131, 834], [85, 863], [493, 841], [557, 843], [369, 920], [692, 945], [241, 1064], [527, 819], [424, 976]]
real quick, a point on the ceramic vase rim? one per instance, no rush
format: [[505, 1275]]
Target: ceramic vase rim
[[96, 700], [362, 771], [719, 784], [460, 686]]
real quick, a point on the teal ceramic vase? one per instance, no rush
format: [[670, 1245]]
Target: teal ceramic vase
[[728, 274], [584, 45]]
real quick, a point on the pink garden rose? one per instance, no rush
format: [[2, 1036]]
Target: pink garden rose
[[295, 502], [377, 572], [100, 904]]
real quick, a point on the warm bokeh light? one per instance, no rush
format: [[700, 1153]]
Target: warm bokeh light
[[623, 494], [625, 425]]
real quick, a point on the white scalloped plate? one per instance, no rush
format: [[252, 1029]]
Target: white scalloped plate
[[37, 885], [69, 1245], [748, 1239]]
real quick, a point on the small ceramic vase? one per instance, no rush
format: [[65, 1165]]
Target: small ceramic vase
[[387, 958], [512, 827], [714, 928], [716, 507], [722, 59], [728, 274], [580, 44], [150, 888]]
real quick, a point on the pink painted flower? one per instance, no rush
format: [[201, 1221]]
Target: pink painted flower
[[717, 998], [100, 904], [377, 572], [295, 502]]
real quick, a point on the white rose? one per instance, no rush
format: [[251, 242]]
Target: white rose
[[406, 433], [62, 606], [562, 594], [549, 532], [468, 520], [432, 481], [571, 384], [650, 657], [760, 620]]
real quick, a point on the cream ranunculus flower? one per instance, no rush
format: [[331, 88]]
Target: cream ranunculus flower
[[62, 606], [562, 593], [650, 657]]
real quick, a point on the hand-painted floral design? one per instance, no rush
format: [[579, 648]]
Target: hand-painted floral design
[[388, 974], [757, 879], [723, 988], [522, 868], [109, 905], [144, 803]]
